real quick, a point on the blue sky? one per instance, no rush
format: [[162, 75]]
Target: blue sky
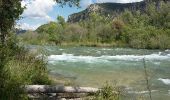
[[39, 12]]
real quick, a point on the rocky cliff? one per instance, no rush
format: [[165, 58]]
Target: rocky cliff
[[107, 9]]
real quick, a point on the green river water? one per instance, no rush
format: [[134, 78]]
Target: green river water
[[93, 66]]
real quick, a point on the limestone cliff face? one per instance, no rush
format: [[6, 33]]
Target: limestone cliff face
[[105, 9]]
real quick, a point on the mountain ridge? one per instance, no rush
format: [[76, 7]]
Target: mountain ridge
[[105, 9]]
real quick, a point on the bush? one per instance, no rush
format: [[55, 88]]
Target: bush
[[75, 33], [107, 92], [105, 33], [19, 67], [53, 30], [147, 29], [33, 38]]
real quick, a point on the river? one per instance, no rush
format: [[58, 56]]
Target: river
[[93, 66]]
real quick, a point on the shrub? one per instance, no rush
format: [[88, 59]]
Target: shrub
[[107, 92], [19, 67], [75, 33], [118, 26], [105, 33], [53, 30]]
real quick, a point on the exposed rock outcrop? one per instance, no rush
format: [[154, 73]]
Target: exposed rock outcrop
[[107, 9]]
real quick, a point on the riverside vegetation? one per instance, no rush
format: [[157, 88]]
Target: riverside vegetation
[[148, 29], [19, 67]]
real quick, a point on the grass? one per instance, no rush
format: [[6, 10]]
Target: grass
[[20, 67], [107, 92]]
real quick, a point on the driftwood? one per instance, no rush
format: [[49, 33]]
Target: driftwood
[[57, 96], [58, 89], [49, 92]]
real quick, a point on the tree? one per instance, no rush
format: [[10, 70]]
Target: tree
[[157, 3], [69, 2], [75, 33], [10, 11], [118, 26], [61, 21]]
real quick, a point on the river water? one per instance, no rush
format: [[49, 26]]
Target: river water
[[93, 66]]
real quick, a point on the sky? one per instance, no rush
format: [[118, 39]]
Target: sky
[[39, 12]]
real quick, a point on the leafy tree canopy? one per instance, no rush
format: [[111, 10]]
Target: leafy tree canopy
[[10, 11], [69, 2]]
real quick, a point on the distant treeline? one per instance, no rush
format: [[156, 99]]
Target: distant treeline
[[149, 29]]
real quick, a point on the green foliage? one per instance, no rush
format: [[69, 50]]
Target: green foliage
[[20, 67], [53, 31], [61, 21], [105, 33], [159, 18], [17, 66], [147, 29], [75, 33], [10, 11], [30, 38], [69, 2], [107, 92]]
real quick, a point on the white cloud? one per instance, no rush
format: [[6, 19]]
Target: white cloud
[[26, 26], [38, 9]]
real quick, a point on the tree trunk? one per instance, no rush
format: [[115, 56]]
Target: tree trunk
[[3, 33], [158, 5], [2, 37]]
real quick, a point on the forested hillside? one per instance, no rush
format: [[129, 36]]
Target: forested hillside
[[137, 29], [107, 10]]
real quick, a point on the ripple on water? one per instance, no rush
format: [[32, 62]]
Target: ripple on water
[[107, 58], [165, 81]]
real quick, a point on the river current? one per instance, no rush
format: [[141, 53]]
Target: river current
[[94, 66]]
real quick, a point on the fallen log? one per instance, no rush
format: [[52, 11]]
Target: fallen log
[[56, 96], [58, 89]]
